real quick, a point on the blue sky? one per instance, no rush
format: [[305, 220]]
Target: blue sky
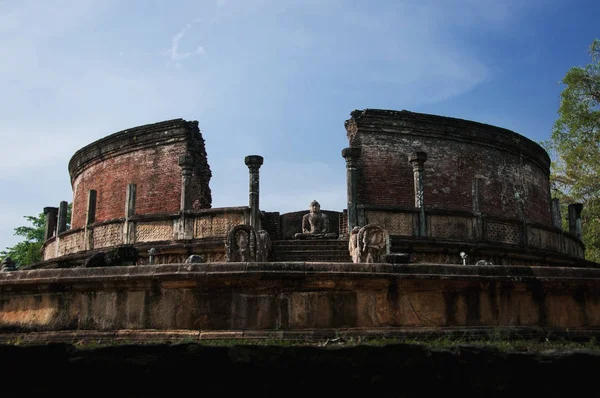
[[275, 78]]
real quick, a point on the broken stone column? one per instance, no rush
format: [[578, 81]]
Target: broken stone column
[[351, 155], [417, 159], [556, 218], [62, 217], [575, 219], [51, 215], [254, 162], [185, 162], [91, 207], [90, 218], [129, 226], [475, 187]]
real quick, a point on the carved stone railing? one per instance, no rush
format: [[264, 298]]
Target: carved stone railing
[[464, 226], [190, 225]]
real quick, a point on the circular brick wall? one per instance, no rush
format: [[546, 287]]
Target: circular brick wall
[[147, 156], [470, 166]]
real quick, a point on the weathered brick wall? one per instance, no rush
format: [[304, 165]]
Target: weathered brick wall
[[147, 156], [468, 165]]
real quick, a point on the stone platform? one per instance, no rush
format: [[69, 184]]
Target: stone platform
[[298, 297]]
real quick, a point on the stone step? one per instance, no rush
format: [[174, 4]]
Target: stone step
[[314, 242], [326, 250], [310, 247], [313, 259], [301, 256], [303, 251]]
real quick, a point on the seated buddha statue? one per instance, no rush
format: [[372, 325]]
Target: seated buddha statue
[[315, 224]]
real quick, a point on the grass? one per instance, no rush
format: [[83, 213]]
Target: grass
[[438, 343]]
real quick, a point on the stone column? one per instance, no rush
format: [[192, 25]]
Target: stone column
[[129, 226], [130, 200], [476, 209], [62, 217], [575, 219], [254, 162], [185, 162], [51, 214], [91, 207], [417, 159], [90, 218], [556, 218], [351, 155]]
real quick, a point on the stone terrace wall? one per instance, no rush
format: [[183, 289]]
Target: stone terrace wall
[[147, 156], [298, 296], [470, 166]]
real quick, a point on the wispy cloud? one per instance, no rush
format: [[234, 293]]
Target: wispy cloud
[[175, 54]]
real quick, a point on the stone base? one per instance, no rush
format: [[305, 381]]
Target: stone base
[[331, 235]]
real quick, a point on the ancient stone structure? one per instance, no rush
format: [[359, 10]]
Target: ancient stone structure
[[315, 224], [146, 251], [441, 185]]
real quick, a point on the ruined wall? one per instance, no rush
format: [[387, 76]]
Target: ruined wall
[[147, 156], [470, 166]]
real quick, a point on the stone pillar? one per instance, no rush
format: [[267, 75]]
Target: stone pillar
[[254, 162], [417, 159], [351, 155], [129, 226], [62, 217], [476, 209], [556, 218], [186, 162], [91, 207], [90, 218], [130, 200], [51, 214], [575, 219]]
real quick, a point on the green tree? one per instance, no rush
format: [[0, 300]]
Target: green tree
[[28, 251], [575, 147]]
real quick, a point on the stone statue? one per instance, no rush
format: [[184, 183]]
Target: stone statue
[[369, 244], [315, 224], [8, 265], [241, 244], [353, 246], [264, 247]]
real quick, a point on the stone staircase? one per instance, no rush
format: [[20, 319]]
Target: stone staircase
[[326, 250]]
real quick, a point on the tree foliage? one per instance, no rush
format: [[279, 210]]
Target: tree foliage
[[575, 147], [28, 251]]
